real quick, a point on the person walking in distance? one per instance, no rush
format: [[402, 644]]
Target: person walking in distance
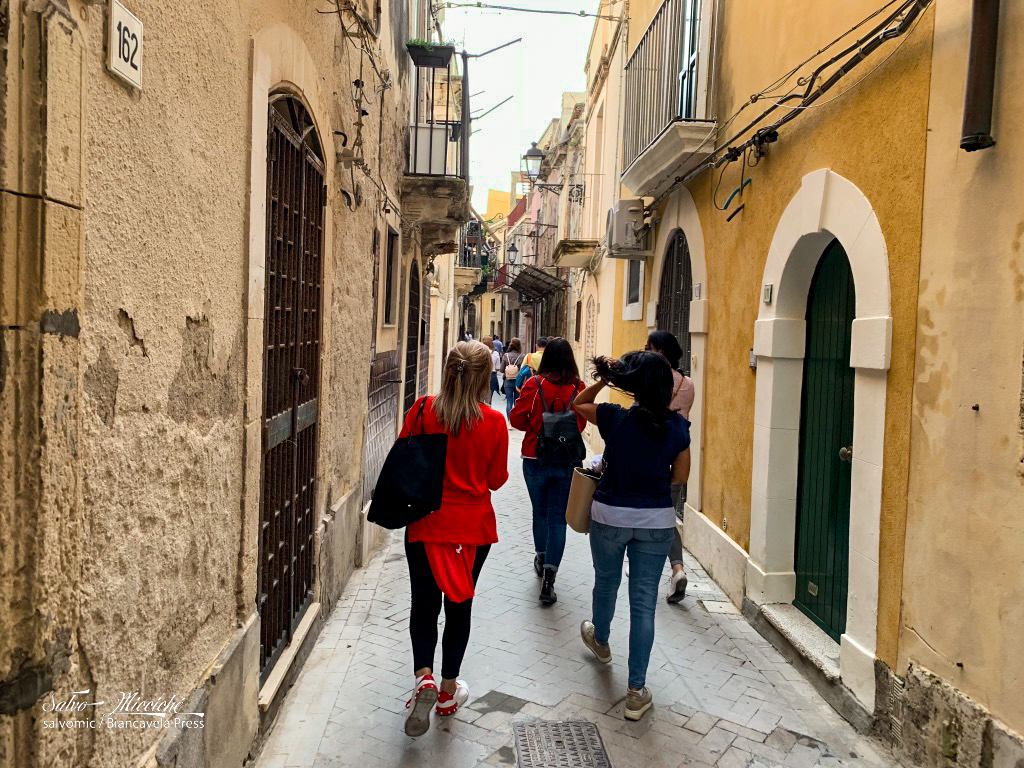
[[511, 362], [447, 548], [646, 451], [666, 345], [546, 469], [495, 360], [531, 364]]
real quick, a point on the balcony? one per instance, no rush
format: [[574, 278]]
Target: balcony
[[666, 132], [435, 192]]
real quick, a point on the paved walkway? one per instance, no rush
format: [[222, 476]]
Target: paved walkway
[[722, 694]]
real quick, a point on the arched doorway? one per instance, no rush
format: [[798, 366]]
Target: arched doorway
[[676, 293], [827, 217], [826, 438], [296, 201], [471, 320], [412, 340]]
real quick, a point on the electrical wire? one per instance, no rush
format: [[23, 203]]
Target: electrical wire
[[881, 33], [492, 7], [775, 85]]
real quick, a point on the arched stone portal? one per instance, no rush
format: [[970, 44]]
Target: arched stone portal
[[827, 207]]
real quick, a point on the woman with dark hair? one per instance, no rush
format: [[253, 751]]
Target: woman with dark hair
[[646, 450], [510, 364], [548, 477], [666, 345]]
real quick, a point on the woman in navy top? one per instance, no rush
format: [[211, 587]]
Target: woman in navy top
[[646, 451]]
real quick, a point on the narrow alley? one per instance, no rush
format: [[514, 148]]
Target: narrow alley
[[723, 696]]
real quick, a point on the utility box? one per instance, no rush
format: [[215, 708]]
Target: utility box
[[625, 222]]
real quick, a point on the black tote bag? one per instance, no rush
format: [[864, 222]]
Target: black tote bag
[[411, 481]]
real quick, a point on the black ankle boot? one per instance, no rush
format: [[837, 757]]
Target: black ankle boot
[[547, 589], [538, 563]]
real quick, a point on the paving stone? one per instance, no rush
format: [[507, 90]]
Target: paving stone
[[735, 758], [701, 722], [723, 696]]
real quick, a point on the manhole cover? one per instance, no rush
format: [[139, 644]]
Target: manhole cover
[[559, 745]]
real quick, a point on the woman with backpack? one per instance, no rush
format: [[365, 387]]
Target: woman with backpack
[[552, 447], [646, 451], [447, 548], [511, 362]]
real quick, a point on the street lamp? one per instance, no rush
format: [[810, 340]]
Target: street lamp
[[533, 158], [512, 253]]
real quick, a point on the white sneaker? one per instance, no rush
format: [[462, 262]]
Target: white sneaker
[[448, 703], [424, 696]]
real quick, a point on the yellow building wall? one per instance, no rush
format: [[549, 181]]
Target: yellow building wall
[[873, 134], [963, 601]]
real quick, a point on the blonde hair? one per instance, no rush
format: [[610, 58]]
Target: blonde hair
[[464, 384], [489, 341]]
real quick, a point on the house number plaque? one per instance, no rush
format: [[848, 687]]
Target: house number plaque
[[124, 45]]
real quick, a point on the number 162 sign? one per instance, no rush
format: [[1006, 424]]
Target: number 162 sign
[[124, 44]]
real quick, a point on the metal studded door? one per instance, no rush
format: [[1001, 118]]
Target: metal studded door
[[675, 294], [412, 340], [296, 197], [826, 451]]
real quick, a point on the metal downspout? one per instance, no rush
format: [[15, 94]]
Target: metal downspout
[[981, 77]]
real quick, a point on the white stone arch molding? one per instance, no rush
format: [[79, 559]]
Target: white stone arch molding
[[281, 63], [826, 207], [680, 213]]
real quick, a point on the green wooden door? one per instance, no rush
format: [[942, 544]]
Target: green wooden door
[[826, 437]]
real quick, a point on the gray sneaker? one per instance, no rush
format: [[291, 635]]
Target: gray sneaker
[[637, 703], [600, 650]]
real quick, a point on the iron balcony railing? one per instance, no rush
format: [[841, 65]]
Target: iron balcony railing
[[438, 135], [661, 76]]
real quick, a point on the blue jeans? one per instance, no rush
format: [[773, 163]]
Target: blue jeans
[[647, 549], [510, 396], [548, 484]]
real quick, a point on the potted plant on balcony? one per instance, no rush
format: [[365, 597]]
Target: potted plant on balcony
[[427, 54]]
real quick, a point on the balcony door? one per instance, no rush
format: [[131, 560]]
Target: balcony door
[[688, 59]]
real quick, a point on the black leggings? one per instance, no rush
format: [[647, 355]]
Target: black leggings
[[426, 607]]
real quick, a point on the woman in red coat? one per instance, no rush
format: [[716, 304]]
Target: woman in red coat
[[447, 548], [553, 388]]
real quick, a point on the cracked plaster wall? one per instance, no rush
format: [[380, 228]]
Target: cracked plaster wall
[[162, 572], [963, 602]]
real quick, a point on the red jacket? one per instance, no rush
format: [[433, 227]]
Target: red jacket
[[527, 413], [477, 463]]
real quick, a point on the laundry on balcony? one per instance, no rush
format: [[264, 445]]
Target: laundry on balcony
[[535, 283]]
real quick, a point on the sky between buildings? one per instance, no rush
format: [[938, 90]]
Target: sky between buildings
[[534, 72]]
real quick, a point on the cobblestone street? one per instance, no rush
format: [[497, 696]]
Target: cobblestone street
[[723, 696]]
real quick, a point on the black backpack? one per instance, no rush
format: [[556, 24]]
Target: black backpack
[[559, 440]]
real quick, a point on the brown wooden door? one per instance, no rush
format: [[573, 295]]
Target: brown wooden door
[[296, 197], [675, 294]]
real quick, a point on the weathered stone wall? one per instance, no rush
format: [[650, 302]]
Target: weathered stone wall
[[935, 724], [133, 561]]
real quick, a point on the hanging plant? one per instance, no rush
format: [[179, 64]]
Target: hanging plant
[[427, 54]]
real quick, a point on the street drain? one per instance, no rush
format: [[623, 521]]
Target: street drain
[[574, 744]]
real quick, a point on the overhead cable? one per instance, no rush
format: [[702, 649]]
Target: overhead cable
[[515, 9], [898, 24]]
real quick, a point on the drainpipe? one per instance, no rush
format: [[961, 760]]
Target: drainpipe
[[981, 77]]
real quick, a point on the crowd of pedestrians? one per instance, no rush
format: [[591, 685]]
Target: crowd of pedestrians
[[637, 501]]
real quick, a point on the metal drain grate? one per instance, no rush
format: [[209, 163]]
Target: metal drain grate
[[559, 745]]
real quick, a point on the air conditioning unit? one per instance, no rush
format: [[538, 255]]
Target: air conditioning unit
[[625, 221]]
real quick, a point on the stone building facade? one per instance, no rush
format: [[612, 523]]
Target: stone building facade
[[186, 271]]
